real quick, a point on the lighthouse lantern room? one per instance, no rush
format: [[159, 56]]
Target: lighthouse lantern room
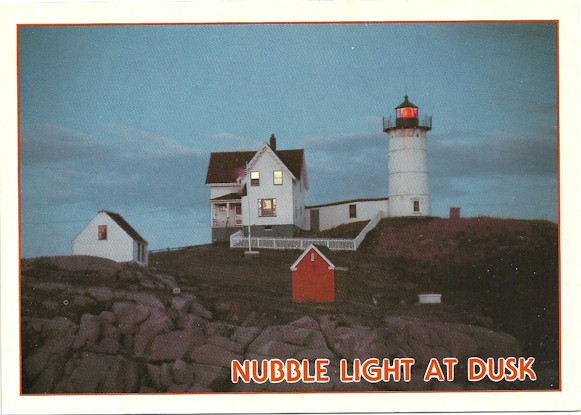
[[407, 161]]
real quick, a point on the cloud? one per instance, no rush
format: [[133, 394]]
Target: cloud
[[474, 153], [129, 167], [355, 165]]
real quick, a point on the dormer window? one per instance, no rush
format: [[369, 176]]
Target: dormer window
[[255, 178]]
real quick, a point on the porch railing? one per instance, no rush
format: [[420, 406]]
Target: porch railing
[[238, 240]]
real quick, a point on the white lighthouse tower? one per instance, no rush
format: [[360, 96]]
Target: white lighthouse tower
[[407, 162]]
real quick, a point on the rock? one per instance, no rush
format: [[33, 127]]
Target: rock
[[58, 327], [172, 346], [108, 317], [90, 372], [154, 375], [210, 354], [306, 322], [178, 388], [88, 333], [181, 372], [145, 299], [81, 302], [199, 310], [208, 375], [245, 335], [107, 345], [50, 305], [226, 343], [44, 383], [295, 335], [277, 349], [128, 314], [313, 354], [157, 323], [100, 294], [181, 303], [37, 362], [199, 388]]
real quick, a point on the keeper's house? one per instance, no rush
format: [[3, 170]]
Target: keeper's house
[[108, 235], [264, 189]]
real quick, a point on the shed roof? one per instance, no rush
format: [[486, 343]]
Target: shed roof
[[226, 167], [323, 251], [125, 226]]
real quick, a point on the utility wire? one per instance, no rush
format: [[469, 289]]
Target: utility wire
[[86, 220]]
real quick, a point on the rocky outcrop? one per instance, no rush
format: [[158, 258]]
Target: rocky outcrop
[[119, 339]]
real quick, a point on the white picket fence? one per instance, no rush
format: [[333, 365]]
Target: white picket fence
[[238, 240]]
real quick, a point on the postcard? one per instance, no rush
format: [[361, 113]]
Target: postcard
[[312, 207]]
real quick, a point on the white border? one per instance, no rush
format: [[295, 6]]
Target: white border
[[566, 11]]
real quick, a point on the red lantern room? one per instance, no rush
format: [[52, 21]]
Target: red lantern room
[[407, 116]]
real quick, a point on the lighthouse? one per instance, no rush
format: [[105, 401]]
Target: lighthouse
[[407, 161]]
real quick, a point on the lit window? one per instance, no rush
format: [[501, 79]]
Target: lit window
[[266, 207], [278, 177], [416, 205], [352, 211], [102, 232], [255, 178]]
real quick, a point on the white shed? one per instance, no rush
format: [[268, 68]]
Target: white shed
[[108, 235]]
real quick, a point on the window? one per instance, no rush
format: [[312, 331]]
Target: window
[[141, 252], [352, 211], [222, 208], [267, 207], [268, 227], [255, 178], [277, 177], [102, 232], [416, 205]]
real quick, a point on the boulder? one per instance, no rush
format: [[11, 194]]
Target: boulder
[[227, 344], [172, 346], [208, 375], [181, 372], [100, 294], [88, 333], [245, 335], [128, 313], [306, 322], [210, 354]]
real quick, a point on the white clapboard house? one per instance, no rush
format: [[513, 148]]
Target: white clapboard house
[[264, 189], [110, 236]]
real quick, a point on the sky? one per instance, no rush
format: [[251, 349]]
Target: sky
[[124, 118]]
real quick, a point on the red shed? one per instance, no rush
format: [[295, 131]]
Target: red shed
[[313, 277]]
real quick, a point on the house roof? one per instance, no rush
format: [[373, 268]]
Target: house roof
[[125, 226], [226, 167], [344, 202], [319, 250], [229, 196]]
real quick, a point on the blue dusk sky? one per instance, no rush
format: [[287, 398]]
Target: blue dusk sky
[[124, 118]]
